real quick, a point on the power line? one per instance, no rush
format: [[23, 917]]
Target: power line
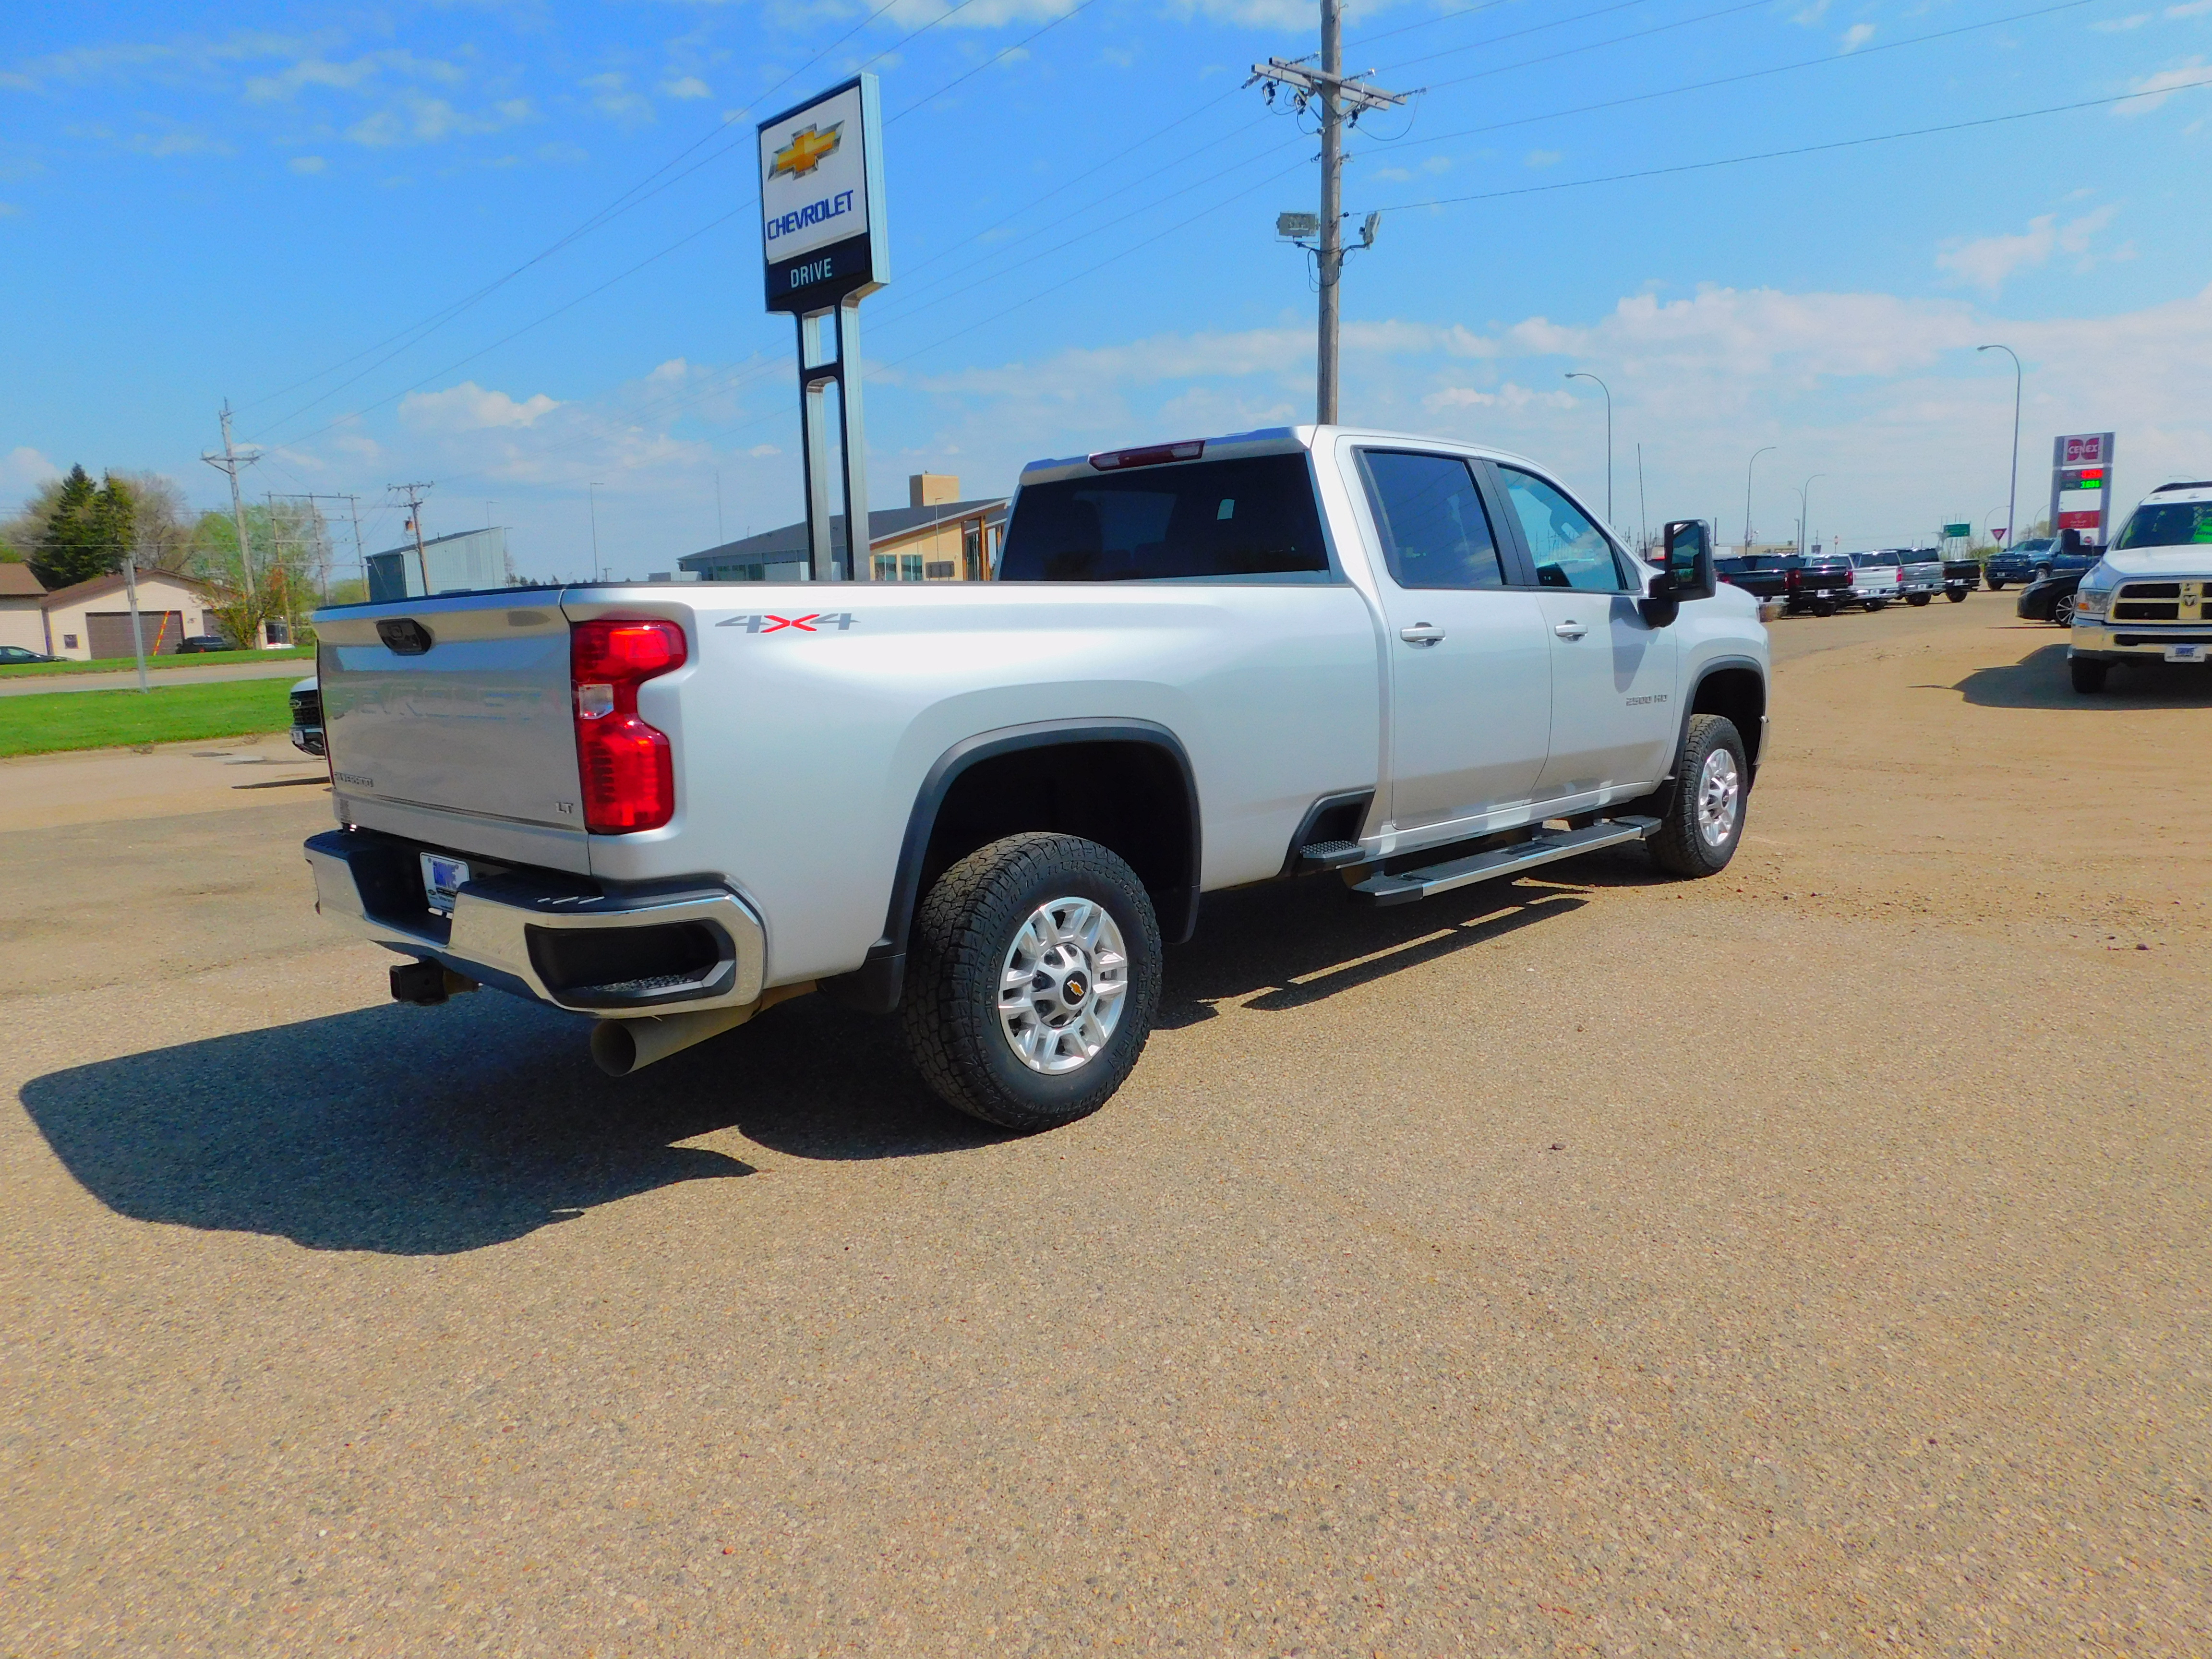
[[1732, 80], [1805, 149]]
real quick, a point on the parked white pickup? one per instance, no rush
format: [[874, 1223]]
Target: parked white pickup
[[988, 806]]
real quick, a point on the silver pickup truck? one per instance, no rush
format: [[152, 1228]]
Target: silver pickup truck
[[988, 806]]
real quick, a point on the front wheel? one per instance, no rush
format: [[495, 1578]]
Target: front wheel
[[1995, 587], [1704, 820], [1032, 980], [2087, 673], [2062, 610]]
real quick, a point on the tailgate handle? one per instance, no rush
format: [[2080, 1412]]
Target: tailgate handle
[[404, 636]]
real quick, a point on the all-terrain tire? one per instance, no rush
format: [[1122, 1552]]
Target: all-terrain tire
[[963, 934], [1684, 845], [2087, 673], [1917, 599], [1877, 604], [1956, 595]]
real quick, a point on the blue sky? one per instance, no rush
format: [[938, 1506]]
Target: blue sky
[[273, 204]]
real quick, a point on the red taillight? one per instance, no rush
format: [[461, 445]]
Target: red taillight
[[629, 773]]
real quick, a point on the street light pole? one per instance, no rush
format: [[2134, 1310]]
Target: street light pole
[[1804, 515], [591, 494], [2012, 496], [1583, 375], [1755, 454]]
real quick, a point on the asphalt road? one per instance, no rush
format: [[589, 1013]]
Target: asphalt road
[[1810, 1260], [29, 685]]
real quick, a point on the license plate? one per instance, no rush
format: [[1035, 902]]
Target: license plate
[[442, 877], [2184, 654]]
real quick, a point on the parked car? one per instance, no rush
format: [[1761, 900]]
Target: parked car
[[307, 716], [14, 656], [2149, 598], [1919, 573], [2015, 566], [1961, 576], [1821, 583], [988, 805], [2050, 600], [1762, 576], [1874, 578], [193, 644]]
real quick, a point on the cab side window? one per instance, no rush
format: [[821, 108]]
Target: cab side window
[[1435, 531], [1568, 550]]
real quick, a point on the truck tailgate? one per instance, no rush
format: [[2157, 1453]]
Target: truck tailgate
[[463, 736]]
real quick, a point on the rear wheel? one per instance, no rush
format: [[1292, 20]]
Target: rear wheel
[[1877, 604], [1956, 595], [1917, 599], [1032, 981], [2087, 673], [1824, 607], [1703, 819]]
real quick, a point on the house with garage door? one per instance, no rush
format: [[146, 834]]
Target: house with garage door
[[93, 619], [21, 593]]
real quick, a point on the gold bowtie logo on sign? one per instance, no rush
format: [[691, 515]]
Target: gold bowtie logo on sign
[[807, 150]]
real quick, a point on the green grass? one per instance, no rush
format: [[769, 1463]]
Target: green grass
[[155, 665], [55, 721]]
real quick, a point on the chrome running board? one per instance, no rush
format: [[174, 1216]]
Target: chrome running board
[[1544, 847]]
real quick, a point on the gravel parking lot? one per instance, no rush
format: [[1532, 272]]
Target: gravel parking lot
[[1810, 1260]]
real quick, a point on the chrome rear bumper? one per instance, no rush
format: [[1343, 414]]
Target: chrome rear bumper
[[593, 947]]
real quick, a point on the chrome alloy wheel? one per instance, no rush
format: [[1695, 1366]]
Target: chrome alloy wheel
[[1062, 986], [1720, 798]]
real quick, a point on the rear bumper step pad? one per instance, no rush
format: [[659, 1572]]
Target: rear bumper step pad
[[1545, 846]]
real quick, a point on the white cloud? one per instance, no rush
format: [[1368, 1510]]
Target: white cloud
[[760, 450], [419, 119], [1542, 158], [689, 86], [2193, 9], [1986, 263], [2121, 25], [2163, 85], [1857, 35], [1812, 13], [469, 407], [24, 468], [1509, 396], [318, 71], [9, 209], [307, 164], [613, 97]]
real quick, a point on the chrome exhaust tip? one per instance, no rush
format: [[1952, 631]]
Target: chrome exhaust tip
[[620, 1047]]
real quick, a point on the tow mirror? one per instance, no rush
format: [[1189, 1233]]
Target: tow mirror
[[1690, 560]]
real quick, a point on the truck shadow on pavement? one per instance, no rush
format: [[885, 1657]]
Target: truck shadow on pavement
[[1279, 947], [427, 1132], [431, 1131], [2040, 680]]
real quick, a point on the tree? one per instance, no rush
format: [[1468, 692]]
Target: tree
[[87, 533], [70, 530]]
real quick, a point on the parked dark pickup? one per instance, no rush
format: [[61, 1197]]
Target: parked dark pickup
[[1764, 575], [2017, 565], [1961, 576], [1822, 584]]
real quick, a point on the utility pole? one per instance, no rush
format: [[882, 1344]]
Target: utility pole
[[1343, 99], [591, 494], [229, 462], [719, 537], [138, 627], [415, 523]]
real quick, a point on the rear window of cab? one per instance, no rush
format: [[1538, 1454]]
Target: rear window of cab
[[1252, 517]]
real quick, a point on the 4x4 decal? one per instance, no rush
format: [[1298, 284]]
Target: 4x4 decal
[[814, 622]]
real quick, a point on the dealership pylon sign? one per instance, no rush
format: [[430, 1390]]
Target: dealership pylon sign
[[825, 247]]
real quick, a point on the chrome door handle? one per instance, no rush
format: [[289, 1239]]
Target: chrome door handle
[[1570, 630], [1420, 633]]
